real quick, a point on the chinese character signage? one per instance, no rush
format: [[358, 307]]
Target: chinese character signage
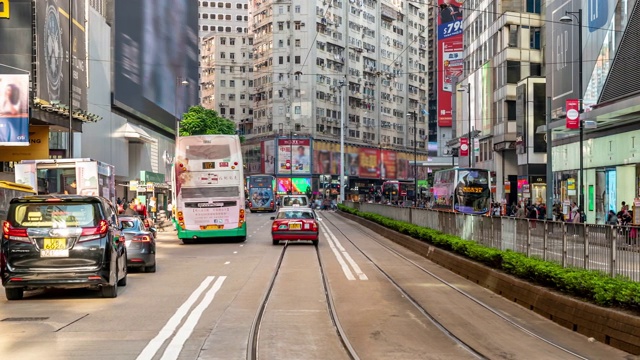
[[294, 156]]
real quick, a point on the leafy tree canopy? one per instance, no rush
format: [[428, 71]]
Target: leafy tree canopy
[[201, 121]]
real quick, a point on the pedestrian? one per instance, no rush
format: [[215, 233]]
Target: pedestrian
[[520, 212], [612, 218], [532, 214]]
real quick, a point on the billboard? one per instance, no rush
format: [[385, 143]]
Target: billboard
[[55, 55], [156, 44], [389, 164], [296, 185], [450, 55], [268, 148], [16, 37], [369, 163], [38, 146], [14, 110], [294, 156]]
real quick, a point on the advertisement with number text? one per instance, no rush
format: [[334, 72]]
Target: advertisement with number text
[[450, 53]]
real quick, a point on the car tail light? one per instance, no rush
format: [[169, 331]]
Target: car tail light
[[271, 204], [141, 238], [274, 226], [14, 234], [314, 226], [241, 221], [95, 232]]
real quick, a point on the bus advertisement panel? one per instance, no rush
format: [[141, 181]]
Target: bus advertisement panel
[[209, 187], [261, 197], [462, 190]]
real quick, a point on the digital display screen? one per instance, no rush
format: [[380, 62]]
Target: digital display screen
[[208, 165]]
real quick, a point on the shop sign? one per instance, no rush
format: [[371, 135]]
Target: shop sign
[[538, 180], [133, 185], [573, 113]]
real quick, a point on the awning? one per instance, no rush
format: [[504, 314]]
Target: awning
[[135, 134]]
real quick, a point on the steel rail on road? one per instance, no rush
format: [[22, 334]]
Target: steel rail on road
[[254, 335], [450, 285]]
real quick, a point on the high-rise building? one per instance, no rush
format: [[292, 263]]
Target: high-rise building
[[225, 60]]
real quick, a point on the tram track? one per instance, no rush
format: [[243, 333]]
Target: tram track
[[253, 350], [474, 352]]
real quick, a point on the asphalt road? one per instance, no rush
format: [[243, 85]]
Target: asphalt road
[[204, 298]]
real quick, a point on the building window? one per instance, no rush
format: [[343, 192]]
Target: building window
[[296, 59], [232, 41], [297, 25], [297, 9], [239, 17], [220, 16], [205, 3], [280, 60], [534, 38], [227, 17], [297, 110], [223, 111], [280, 43], [232, 55], [205, 27], [220, 5], [220, 28], [511, 109], [536, 69], [227, 29], [232, 83], [513, 35], [297, 42], [513, 72], [280, 25], [223, 40], [533, 6], [223, 55], [205, 16], [227, 5], [223, 83], [238, 6]]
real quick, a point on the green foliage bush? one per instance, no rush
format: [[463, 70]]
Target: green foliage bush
[[593, 286]]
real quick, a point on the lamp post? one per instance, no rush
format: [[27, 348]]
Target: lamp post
[[467, 88], [342, 160], [567, 19], [70, 145], [179, 82], [415, 154]]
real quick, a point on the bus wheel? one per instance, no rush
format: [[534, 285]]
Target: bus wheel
[[242, 238], [188, 241]]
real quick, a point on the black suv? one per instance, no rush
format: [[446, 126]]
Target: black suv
[[62, 241]]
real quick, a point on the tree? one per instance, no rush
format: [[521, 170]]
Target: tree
[[201, 121]]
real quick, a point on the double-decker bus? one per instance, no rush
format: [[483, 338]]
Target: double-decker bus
[[464, 190], [395, 190], [209, 188], [261, 194]]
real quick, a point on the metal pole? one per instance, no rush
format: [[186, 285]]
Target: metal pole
[[291, 159], [175, 109], [580, 110], [342, 162], [415, 156], [70, 145], [549, 164], [471, 145]]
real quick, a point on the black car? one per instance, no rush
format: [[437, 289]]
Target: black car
[[62, 241], [140, 242]]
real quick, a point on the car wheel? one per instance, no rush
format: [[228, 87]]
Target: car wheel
[[275, 242], [150, 269], [315, 242], [14, 293], [251, 211], [109, 291]]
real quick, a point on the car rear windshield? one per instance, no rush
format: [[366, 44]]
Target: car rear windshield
[[129, 224], [295, 200], [54, 215], [295, 215]]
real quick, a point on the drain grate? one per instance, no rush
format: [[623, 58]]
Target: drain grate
[[32, 318]]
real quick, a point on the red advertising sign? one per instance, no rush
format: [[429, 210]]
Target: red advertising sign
[[464, 146], [450, 55], [389, 159], [369, 163], [573, 113]]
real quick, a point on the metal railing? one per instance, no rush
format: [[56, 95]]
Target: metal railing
[[614, 250]]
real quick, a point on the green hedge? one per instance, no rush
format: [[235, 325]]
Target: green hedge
[[593, 286]]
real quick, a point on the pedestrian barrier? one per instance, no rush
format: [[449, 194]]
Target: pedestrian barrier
[[607, 248]]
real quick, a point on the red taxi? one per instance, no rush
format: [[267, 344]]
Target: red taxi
[[295, 224]]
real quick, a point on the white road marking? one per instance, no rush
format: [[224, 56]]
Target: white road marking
[[235, 252], [354, 265], [345, 268], [175, 346], [227, 263], [152, 347]]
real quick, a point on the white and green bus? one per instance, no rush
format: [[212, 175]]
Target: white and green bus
[[208, 184]]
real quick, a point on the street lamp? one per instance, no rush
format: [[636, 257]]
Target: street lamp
[[467, 88], [415, 154], [567, 19], [179, 82], [342, 160], [291, 135]]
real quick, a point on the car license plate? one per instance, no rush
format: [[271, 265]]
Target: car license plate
[[54, 253], [212, 227], [295, 226], [54, 244]]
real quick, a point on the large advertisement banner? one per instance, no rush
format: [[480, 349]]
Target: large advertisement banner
[[268, 157], [322, 158], [156, 44], [389, 164], [450, 53], [55, 53], [294, 156], [38, 146], [369, 163], [14, 110]]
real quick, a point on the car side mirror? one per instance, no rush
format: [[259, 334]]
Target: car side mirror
[[272, 218]]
